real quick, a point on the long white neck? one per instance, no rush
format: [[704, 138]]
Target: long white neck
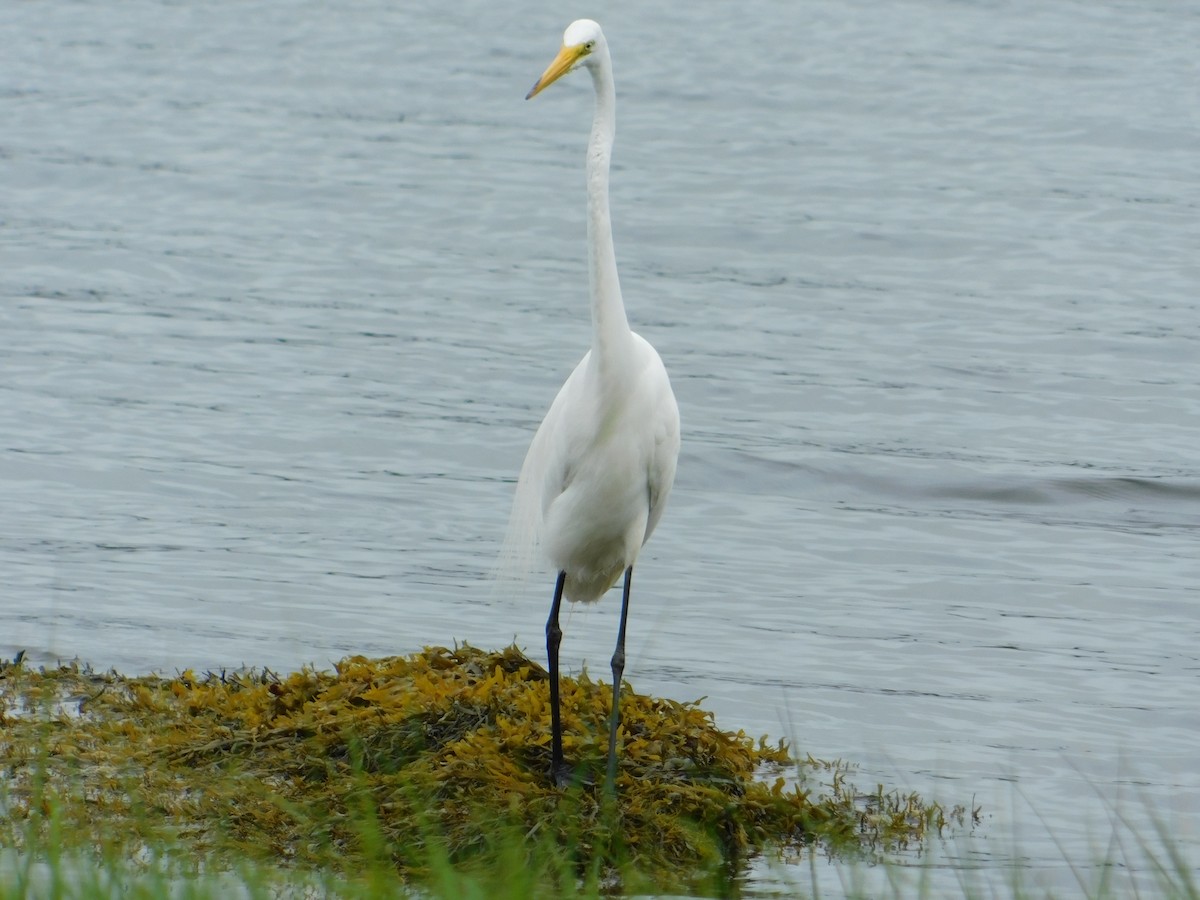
[[610, 327]]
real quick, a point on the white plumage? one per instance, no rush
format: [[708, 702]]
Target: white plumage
[[602, 463]]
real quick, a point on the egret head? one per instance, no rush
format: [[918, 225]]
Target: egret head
[[581, 42]]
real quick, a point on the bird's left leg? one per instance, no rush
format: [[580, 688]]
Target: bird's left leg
[[618, 670], [560, 773]]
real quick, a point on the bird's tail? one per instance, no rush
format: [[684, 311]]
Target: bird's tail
[[515, 562]]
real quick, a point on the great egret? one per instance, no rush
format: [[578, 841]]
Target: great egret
[[599, 468]]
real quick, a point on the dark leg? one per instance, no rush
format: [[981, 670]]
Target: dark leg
[[559, 773], [618, 669]]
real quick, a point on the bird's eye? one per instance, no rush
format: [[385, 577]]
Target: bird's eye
[[589, 45]]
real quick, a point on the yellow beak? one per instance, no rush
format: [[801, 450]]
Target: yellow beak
[[563, 63]]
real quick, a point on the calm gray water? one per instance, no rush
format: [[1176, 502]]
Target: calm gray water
[[285, 288]]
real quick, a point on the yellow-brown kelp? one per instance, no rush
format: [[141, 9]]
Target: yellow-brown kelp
[[441, 755]]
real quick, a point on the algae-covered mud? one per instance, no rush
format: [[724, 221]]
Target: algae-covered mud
[[441, 757]]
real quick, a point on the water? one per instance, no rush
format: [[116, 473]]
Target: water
[[285, 288]]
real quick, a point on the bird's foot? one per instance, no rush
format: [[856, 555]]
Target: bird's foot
[[565, 775]]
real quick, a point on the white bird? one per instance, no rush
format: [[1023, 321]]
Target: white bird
[[600, 467]]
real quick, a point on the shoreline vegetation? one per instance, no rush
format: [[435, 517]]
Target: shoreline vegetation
[[418, 770]]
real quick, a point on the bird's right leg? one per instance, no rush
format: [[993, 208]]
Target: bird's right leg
[[618, 669], [560, 774]]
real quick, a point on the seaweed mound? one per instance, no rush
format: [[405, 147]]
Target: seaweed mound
[[407, 761]]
